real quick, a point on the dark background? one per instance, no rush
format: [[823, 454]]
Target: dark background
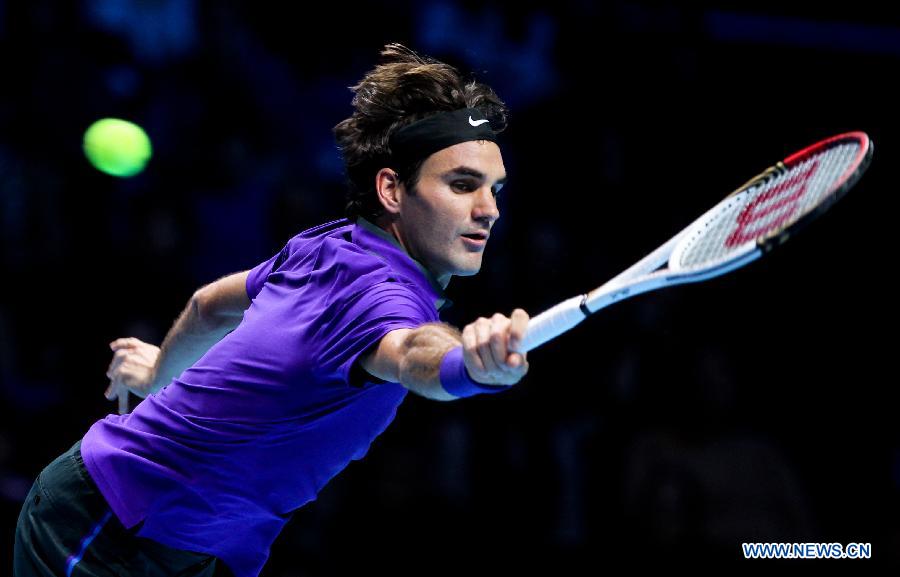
[[661, 434]]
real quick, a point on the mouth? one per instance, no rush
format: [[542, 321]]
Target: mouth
[[476, 239]]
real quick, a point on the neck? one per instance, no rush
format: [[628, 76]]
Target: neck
[[391, 225]]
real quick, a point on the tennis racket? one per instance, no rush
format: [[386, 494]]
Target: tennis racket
[[748, 223]]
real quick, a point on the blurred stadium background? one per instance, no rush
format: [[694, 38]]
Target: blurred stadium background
[[662, 434]]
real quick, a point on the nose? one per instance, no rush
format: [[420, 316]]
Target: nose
[[485, 207]]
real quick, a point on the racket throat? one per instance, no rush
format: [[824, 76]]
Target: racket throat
[[584, 308]]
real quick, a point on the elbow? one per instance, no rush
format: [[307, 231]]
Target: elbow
[[204, 315], [220, 306]]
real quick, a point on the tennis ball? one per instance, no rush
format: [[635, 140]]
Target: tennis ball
[[117, 147]]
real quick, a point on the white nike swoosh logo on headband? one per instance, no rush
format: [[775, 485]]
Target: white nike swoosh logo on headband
[[476, 122]]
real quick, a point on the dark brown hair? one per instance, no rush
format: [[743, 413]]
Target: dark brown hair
[[403, 88]]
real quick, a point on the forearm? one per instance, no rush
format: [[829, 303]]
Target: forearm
[[436, 361], [420, 367], [190, 337]]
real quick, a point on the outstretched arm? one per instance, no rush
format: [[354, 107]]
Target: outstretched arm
[[414, 357], [211, 313]]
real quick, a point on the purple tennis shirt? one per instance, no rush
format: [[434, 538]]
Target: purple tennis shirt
[[217, 461]]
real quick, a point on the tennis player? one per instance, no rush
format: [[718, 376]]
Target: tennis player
[[272, 380]]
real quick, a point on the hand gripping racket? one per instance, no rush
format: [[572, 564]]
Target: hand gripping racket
[[758, 216]]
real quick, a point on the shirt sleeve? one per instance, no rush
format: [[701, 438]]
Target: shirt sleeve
[[365, 320], [258, 274]]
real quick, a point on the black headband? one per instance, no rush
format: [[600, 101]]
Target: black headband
[[423, 138]]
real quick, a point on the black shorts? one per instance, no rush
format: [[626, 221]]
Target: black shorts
[[66, 528]]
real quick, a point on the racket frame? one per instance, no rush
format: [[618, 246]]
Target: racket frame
[[644, 275]]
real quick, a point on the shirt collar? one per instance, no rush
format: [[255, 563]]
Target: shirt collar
[[383, 244]]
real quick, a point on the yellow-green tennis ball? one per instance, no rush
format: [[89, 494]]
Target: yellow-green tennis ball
[[117, 147]]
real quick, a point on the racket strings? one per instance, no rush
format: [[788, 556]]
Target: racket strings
[[774, 207], [767, 207]]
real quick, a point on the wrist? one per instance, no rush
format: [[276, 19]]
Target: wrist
[[456, 380]]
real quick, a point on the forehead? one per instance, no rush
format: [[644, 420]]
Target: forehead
[[482, 155]]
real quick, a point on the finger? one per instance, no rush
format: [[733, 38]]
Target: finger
[[129, 375], [114, 389], [118, 358], [111, 392], [517, 329], [127, 342], [517, 362], [470, 350], [483, 345], [148, 354], [499, 337]]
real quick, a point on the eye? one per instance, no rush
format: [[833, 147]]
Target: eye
[[463, 185]]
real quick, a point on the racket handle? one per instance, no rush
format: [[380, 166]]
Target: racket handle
[[552, 323]]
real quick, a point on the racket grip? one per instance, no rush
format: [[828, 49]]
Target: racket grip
[[552, 323]]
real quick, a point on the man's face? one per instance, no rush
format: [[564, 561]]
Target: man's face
[[446, 221]]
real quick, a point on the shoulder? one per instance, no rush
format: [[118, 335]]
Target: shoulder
[[390, 299], [311, 237], [334, 271]]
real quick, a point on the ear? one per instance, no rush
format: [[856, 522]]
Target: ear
[[388, 188]]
